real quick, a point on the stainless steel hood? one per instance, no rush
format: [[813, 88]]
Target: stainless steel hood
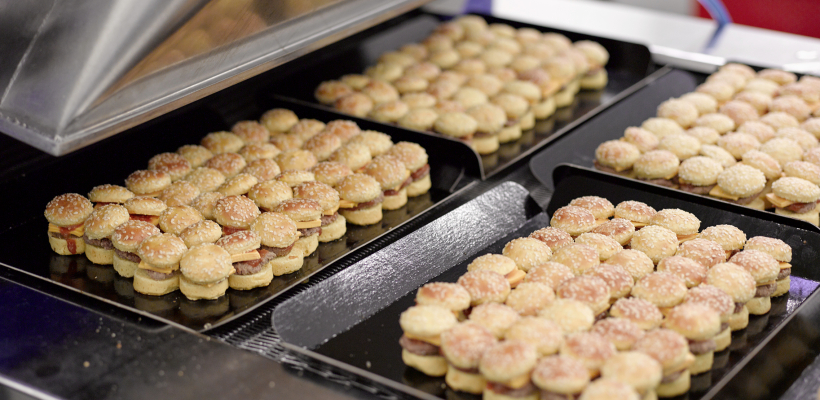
[[74, 72]]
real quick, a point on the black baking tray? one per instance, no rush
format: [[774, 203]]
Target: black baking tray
[[364, 340], [24, 244], [628, 65]]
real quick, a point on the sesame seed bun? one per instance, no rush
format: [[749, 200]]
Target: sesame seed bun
[[410, 84], [619, 229], [427, 321], [130, 234], [740, 69], [719, 122], [295, 160], [737, 144], [762, 132], [704, 134], [456, 124], [776, 248], [388, 170], [103, 220], [662, 289], [251, 132], [513, 105], [704, 103], [764, 162], [328, 91], [420, 119], [418, 100], [600, 207], [279, 120], [173, 164], [485, 286], [162, 251], [591, 349], [727, 236], [529, 297], [222, 142], [805, 139], [719, 154], [734, 280], [699, 171], [712, 297], [634, 211], [235, 212], [330, 172], [779, 120], [306, 128], [293, 177], [588, 289], [68, 209], [572, 219], [489, 117], [691, 271], [357, 104], [662, 127], [641, 138], [275, 229], [359, 188], [229, 164], [676, 220], [656, 164], [796, 189], [553, 237], [680, 111], [493, 262], [635, 262], [622, 332], [387, 72], [804, 170], [605, 245], [742, 180], [205, 203], [759, 101], [560, 374], [571, 315], [206, 264], [206, 231], [739, 111], [527, 252], [782, 149], [355, 156], [464, 344], [327, 197], [792, 105], [550, 273], [323, 145], [109, 194], [147, 182], [497, 318], [179, 193], [285, 141], [666, 346], [578, 257], [262, 169], [681, 145], [195, 154], [760, 85], [706, 252], [300, 209], [693, 321], [389, 111], [145, 206], [763, 267], [656, 242], [617, 154], [206, 179], [176, 218], [721, 91], [545, 335], [443, 294], [638, 370], [508, 360], [617, 279], [239, 242], [642, 313]]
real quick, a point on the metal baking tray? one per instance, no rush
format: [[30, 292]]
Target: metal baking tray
[[24, 244], [360, 334], [628, 65]]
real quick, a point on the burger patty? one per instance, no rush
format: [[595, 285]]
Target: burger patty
[[393, 192], [600, 316], [547, 395], [104, 243], [482, 134], [800, 208], [660, 182], [421, 172], [277, 251], [59, 235], [504, 390], [738, 308], [254, 266], [311, 231], [698, 347], [159, 276], [784, 273], [766, 290], [603, 168], [227, 230], [696, 189], [329, 219], [745, 200], [511, 122], [127, 256], [418, 347], [377, 201], [672, 377], [467, 370]]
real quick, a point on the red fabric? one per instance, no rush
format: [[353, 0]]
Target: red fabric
[[792, 16]]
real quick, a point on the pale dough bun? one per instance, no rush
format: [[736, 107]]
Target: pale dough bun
[[527, 121], [464, 381], [703, 363], [811, 216], [366, 216], [333, 231], [308, 244], [287, 264], [486, 144], [545, 108], [490, 395], [98, 255], [395, 202], [723, 339], [246, 282], [509, 133], [739, 320], [783, 287], [145, 285], [428, 365], [677, 387], [61, 247], [196, 292], [125, 268], [759, 305], [564, 97], [419, 187], [596, 81]]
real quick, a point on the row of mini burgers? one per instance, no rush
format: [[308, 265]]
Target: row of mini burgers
[[734, 138], [478, 82], [211, 203], [635, 304]]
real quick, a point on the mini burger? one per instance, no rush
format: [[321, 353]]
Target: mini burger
[[657, 167], [307, 214], [205, 231], [361, 199], [126, 239], [641, 138], [462, 346], [195, 154], [451, 296], [229, 164], [268, 195], [393, 177], [692, 272], [378, 142], [597, 56], [278, 235], [578, 257], [656, 242], [527, 252], [683, 223], [423, 327], [205, 203], [738, 283], [490, 120], [500, 264], [235, 213], [606, 246], [553, 237], [671, 350], [252, 270], [507, 367], [497, 318], [642, 313], [699, 174], [331, 172], [588, 289], [663, 289], [699, 324], [765, 270], [619, 229], [206, 179], [279, 120], [781, 252], [618, 280], [638, 370], [293, 177], [796, 198], [173, 164], [205, 271], [616, 157], [544, 334], [571, 315], [66, 215], [333, 225], [179, 193], [729, 237], [147, 183], [550, 273], [636, 212], [262, 169], [573, 219], [529, 297], [99, 227], [634, 262], [622, 332], [721, 303], [176, 219], [704, 251], [591, 349], [560, 377], [414, 158], [146, 209], [107, 194], [610, 389], [238, 185], [222, 142], [485, 286], [156, 273]]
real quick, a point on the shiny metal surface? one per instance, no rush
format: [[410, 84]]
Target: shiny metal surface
[[76, 72]]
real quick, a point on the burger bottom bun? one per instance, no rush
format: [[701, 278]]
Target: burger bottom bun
[[485, 144], [596, 81], [564, 97], [419, 187], [145, 285], [600, 307], [428, 365], [490, 395], [575, 85], [289, 263], [650, 395], [395, 202], [365, 216], [99, 255], [739, 320], [308, 244], [759, 305], [723, 339], [125, 268], [100, 273], [509, 133], [333, 231], [703, 362], [757, 204], [196, 292], [783, 286], [61, 247], [527, 121], [677, 387], [247, 282], [464, 381], [812, 216], [545, 108]]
